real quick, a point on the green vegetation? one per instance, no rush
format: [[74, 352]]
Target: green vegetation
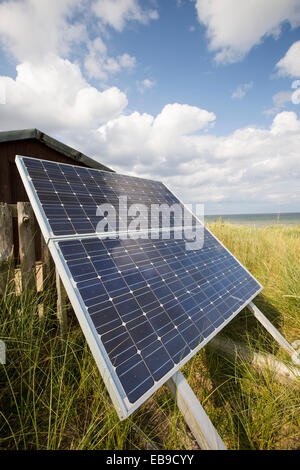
[[52, 395]]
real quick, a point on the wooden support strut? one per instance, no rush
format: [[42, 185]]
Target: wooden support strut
[[233, 350], [6, 247], [274, 332], [193, 413], [48, 265], [62, 300], [26, 228]]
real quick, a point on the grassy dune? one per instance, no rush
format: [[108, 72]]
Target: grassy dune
[[52, 395]]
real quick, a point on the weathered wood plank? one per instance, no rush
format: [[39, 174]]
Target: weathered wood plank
[[26, 229], [281, 372], [193, 413], [48, 266], [6, 247], [62, 305], [14, 210]]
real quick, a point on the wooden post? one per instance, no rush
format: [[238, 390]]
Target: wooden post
[[48, 266], [193, 413], [26, 228], [62, 302], [6, 247]]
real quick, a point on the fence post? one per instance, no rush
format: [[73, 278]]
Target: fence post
[[26, 228], [48, 267], [62, 304], [6, 247]]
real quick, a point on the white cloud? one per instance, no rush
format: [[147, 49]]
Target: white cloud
[[148, 83], [99, 65], [182, 119], [127, 61], [145, 84], [116, 13], [53, 94], [280, 100], [251, 165], [135, 138], [33, 28], [285, 123], [235, 26], [30, 34], [241, 90], [289, 65], [49, 91]]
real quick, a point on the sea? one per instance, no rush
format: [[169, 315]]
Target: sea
[[257, 220]]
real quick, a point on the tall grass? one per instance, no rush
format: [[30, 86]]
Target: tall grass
[[52, 395]]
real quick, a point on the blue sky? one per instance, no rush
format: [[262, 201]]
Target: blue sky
[[197, 93], [185, 70]]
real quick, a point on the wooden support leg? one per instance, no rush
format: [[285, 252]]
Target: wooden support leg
[[194, 415], [48, 266], [48, 278], [6, 247], [26, 228], [274, 332], [62, 300]]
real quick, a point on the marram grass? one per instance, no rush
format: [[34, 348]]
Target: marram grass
[[52, 395]]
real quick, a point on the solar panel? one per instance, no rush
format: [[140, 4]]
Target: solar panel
[[146, 305]]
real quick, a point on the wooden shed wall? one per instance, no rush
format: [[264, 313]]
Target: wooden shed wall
[[11, 186]]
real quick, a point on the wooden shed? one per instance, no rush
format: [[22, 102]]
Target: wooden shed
[[33, 143]]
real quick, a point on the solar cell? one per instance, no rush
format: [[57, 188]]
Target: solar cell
[[146, 305]]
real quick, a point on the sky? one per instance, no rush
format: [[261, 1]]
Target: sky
[[201, 94]]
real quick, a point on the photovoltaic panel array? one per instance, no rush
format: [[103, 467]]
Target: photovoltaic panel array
[[146, 305]]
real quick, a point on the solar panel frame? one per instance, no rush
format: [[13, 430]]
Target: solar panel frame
[[118, 395]]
